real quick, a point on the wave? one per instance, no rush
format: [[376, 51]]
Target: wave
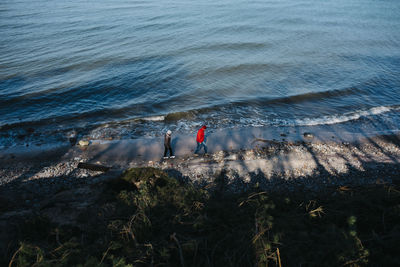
[[154, 118], [224, 46], [182, 122], [315, 96], [351, 116], [294, 99], [240, 68], [123, 112]]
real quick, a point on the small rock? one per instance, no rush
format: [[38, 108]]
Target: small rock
[[231, 157], [308, 135], [83, 143]]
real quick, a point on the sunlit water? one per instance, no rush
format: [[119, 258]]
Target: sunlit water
[[126, 69]]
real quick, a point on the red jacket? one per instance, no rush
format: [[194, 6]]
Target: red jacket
[[200, 134]]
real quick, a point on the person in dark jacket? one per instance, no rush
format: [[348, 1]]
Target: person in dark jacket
[[201, 140], [167, 145]]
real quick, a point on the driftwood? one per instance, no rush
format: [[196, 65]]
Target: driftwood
[[93, 167]]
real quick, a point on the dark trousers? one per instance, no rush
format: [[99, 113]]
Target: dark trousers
[[166, 148], [199, 147]]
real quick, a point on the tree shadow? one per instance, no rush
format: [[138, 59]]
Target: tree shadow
[[265, 223], [250, 209]]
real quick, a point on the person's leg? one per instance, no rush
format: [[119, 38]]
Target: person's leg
[[205, 148], [165, 151], [197, 148], [170, 151]]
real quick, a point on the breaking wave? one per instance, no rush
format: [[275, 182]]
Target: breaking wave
[[351, 116]]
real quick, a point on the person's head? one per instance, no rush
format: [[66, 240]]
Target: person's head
[[204, 127], [169, 132]]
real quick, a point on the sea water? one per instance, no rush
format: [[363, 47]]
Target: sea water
[[126, 69]]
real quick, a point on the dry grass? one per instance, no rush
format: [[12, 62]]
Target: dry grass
[[158, 221]]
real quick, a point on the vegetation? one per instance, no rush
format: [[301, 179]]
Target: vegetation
[[147, 218]]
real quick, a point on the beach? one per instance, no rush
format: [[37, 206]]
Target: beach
[[51, 183], [247, 156], [301, 103]]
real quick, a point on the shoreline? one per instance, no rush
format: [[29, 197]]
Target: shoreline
[[219, 138], [245, 156], [229, 139]]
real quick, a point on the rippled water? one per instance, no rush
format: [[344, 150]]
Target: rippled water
[[125, 69]]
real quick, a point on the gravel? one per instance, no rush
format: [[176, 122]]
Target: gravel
[[273, 166]]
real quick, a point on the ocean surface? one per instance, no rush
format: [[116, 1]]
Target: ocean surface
[[121, 69]]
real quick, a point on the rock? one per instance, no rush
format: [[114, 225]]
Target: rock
[[308, 135], [231, 157], [93, 167], [249, 155], [83, 143]]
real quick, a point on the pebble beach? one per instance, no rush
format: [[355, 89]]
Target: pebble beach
[[270, 164], [53, 184]]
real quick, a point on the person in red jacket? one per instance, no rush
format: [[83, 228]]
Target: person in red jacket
[[201, 140]]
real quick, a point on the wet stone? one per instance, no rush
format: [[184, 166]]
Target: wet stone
[[308, 135], [83, 143]]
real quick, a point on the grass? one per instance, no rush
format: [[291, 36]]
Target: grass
[[147, 218]]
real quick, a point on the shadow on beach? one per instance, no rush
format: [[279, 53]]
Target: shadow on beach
[[145, 217], [279, 202]]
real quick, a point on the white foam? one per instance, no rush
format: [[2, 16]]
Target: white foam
[[154, 118], [355, 115]]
